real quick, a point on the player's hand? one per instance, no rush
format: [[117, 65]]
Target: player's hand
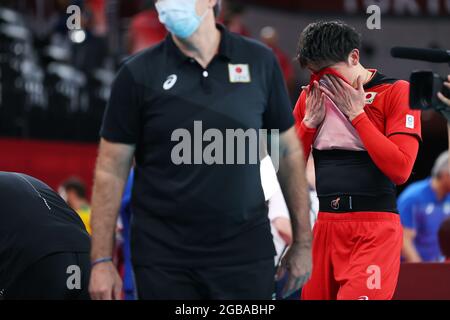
[[445, 100], [315, 106], [298, 264], [105, 282], [349, 100]]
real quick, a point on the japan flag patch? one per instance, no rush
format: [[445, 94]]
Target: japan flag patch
[[239, 73], [370, 97], [410, 121]]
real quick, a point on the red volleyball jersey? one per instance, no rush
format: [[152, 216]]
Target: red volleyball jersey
[[387, 106]]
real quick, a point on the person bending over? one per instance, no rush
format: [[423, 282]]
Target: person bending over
[[44, 246]]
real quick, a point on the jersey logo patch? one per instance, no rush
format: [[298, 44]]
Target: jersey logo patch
[[370, 97], [335, 204], [410, 121], [239, 73], [429, 209], [170, 82]]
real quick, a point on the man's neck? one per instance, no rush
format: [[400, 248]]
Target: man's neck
[[438, 189], [203, 45]]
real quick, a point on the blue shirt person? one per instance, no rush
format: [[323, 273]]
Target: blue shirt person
[[423, 206]]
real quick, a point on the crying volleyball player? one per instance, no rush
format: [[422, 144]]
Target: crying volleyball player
[[364, 141]]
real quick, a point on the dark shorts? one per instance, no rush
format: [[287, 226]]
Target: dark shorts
[[60, 276], [253, 281]]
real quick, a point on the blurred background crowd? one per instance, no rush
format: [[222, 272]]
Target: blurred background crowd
[[55, 82]]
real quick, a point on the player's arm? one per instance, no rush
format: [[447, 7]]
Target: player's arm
[[395, 153], [113, 166], [293, 183], [309, 113], [394, 156]]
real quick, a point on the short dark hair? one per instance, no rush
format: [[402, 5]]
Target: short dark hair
[[327, 42], [77, 186], [444, 238]]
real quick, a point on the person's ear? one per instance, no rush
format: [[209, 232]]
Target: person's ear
[[353, 58]]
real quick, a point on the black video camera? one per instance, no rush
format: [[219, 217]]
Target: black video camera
[[425, 85]]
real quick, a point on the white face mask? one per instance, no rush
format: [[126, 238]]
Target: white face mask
[[179, 16]]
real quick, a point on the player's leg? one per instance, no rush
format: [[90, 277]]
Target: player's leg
[[321, 286], [367, 263], [166, 283], [252, 281]]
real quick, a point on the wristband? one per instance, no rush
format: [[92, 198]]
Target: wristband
[[101, 260]]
